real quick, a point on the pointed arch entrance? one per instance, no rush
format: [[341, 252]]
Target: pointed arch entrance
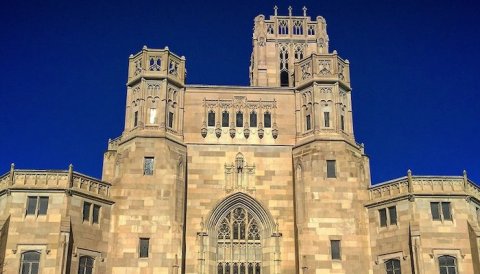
[[240, 234]]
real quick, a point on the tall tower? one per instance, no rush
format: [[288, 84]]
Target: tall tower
[[280, 42], [146, 166]]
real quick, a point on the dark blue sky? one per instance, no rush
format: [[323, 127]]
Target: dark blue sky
[[413, 70]]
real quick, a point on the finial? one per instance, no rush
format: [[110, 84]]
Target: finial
[[335, 51], [275, 10], [409, 173], [464, 172], [12, 166], [289, 10], [304, 11], [70, 167], [131, 56], [166, 47], [144, 47]]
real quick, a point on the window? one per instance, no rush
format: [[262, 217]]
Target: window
[[225, 119], [326, 119], [311, 30], [283, 27], [284, 78], [331, 172], [393, 266], [135, 119], [238, 234], [86, 265], [267, 119], [86, 211], [37, 205], [297, 28], [239, 119], [170, 119], [148, 166], [91, 213], [441, 211], [447, 264], [309, 122], [335, 249], [153, 116], [96, 214], [253, 119], [342, 122], [211, 119], [30, 262], [144, 243], [388, 216]]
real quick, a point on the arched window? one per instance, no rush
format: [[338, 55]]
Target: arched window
[[86, 265], [282, 27], [447, 264], [30, 262], [239, 119], [267, 120], [298, 27], [393, 266], [238, 243], [211, 118], [225, 118], [253, 119], [284, 67]]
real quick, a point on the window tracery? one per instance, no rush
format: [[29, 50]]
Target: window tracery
[[283, 27], [297, 27], [155, 63], [239, 247], [311, 30]]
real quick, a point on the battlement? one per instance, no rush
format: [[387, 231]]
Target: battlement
[[323, 67], [156, 64]]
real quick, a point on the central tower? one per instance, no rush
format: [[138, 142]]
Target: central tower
[[280, 42]]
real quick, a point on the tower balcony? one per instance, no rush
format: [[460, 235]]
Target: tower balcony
[[327, 68], [156, 64]]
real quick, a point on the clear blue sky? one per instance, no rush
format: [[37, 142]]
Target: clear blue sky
[[413, 68]]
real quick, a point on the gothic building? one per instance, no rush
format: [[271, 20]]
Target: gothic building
[[266, 178]]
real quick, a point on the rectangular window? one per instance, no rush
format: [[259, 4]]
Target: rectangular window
[[86, 211], [392, 213], [135, 119], [32, 205], [383, 217], [335, 249], [211, 119], [326, 119], [37, 205], [153, 116], [331, 172], [309, 122], [388, 216], [144, 243], [267, 120], [253, 119], [96, 214], [225, 118], [434, 206], [148, 166], [239, 119], [441, 211], [42, 206], [342, 122], [446, 212], [170, 119]]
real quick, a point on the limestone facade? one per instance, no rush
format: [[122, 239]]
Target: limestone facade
[[266, 178]]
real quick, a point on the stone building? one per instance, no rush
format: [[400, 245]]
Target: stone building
[[266, 178]]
